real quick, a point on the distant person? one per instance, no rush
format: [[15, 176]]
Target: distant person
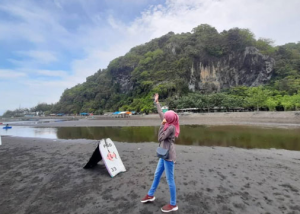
[[169, 129], [6, 125]]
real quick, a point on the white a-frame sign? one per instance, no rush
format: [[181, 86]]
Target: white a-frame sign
[[111, 157]]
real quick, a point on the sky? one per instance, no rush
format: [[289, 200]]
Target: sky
[[51, 45]]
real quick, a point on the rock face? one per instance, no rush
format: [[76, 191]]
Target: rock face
[[249, 68], [244, 68], [123, 79]]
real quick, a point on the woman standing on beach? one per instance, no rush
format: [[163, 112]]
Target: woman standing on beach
[[168, 130]]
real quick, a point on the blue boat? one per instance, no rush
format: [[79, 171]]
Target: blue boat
[[7, 127]]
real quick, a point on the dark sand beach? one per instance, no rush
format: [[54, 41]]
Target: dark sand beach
[[46, 176]]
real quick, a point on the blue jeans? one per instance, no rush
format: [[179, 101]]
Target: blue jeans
[[169, 167]]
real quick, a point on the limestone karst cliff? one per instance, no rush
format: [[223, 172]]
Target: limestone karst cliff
[[173, 65], [248, 68]]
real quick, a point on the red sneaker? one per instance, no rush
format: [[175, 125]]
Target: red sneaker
[[148, 198], [169, 208]]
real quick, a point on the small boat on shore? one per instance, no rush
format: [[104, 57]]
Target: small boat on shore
[[7, 127]]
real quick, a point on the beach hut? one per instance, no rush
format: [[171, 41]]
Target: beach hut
[[116, 114], [30, 114], [123, 114]]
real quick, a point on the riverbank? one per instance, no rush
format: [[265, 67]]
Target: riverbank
[[266, 119], [46, 176]]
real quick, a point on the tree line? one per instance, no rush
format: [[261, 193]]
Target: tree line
[[248, 98]]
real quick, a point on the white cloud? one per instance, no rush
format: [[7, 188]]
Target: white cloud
[[57, 3], [39, 57], [39, 25], [52, 73], [269, 18], [10, 74], [28, 93]]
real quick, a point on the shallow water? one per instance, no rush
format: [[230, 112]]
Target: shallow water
[[237, 136]]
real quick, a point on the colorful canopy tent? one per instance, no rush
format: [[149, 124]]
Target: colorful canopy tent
[[122, 113]]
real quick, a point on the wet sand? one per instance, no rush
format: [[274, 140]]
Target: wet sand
[[46, 176]]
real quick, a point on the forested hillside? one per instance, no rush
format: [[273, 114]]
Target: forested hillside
[[202, 69]]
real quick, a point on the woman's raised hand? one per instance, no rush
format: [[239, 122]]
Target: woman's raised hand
[[156, 97]]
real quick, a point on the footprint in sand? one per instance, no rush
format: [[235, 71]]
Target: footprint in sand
[[289, 187]]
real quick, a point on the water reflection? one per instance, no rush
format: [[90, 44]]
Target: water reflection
[[23, 131], [237, 136], [121, 134]]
